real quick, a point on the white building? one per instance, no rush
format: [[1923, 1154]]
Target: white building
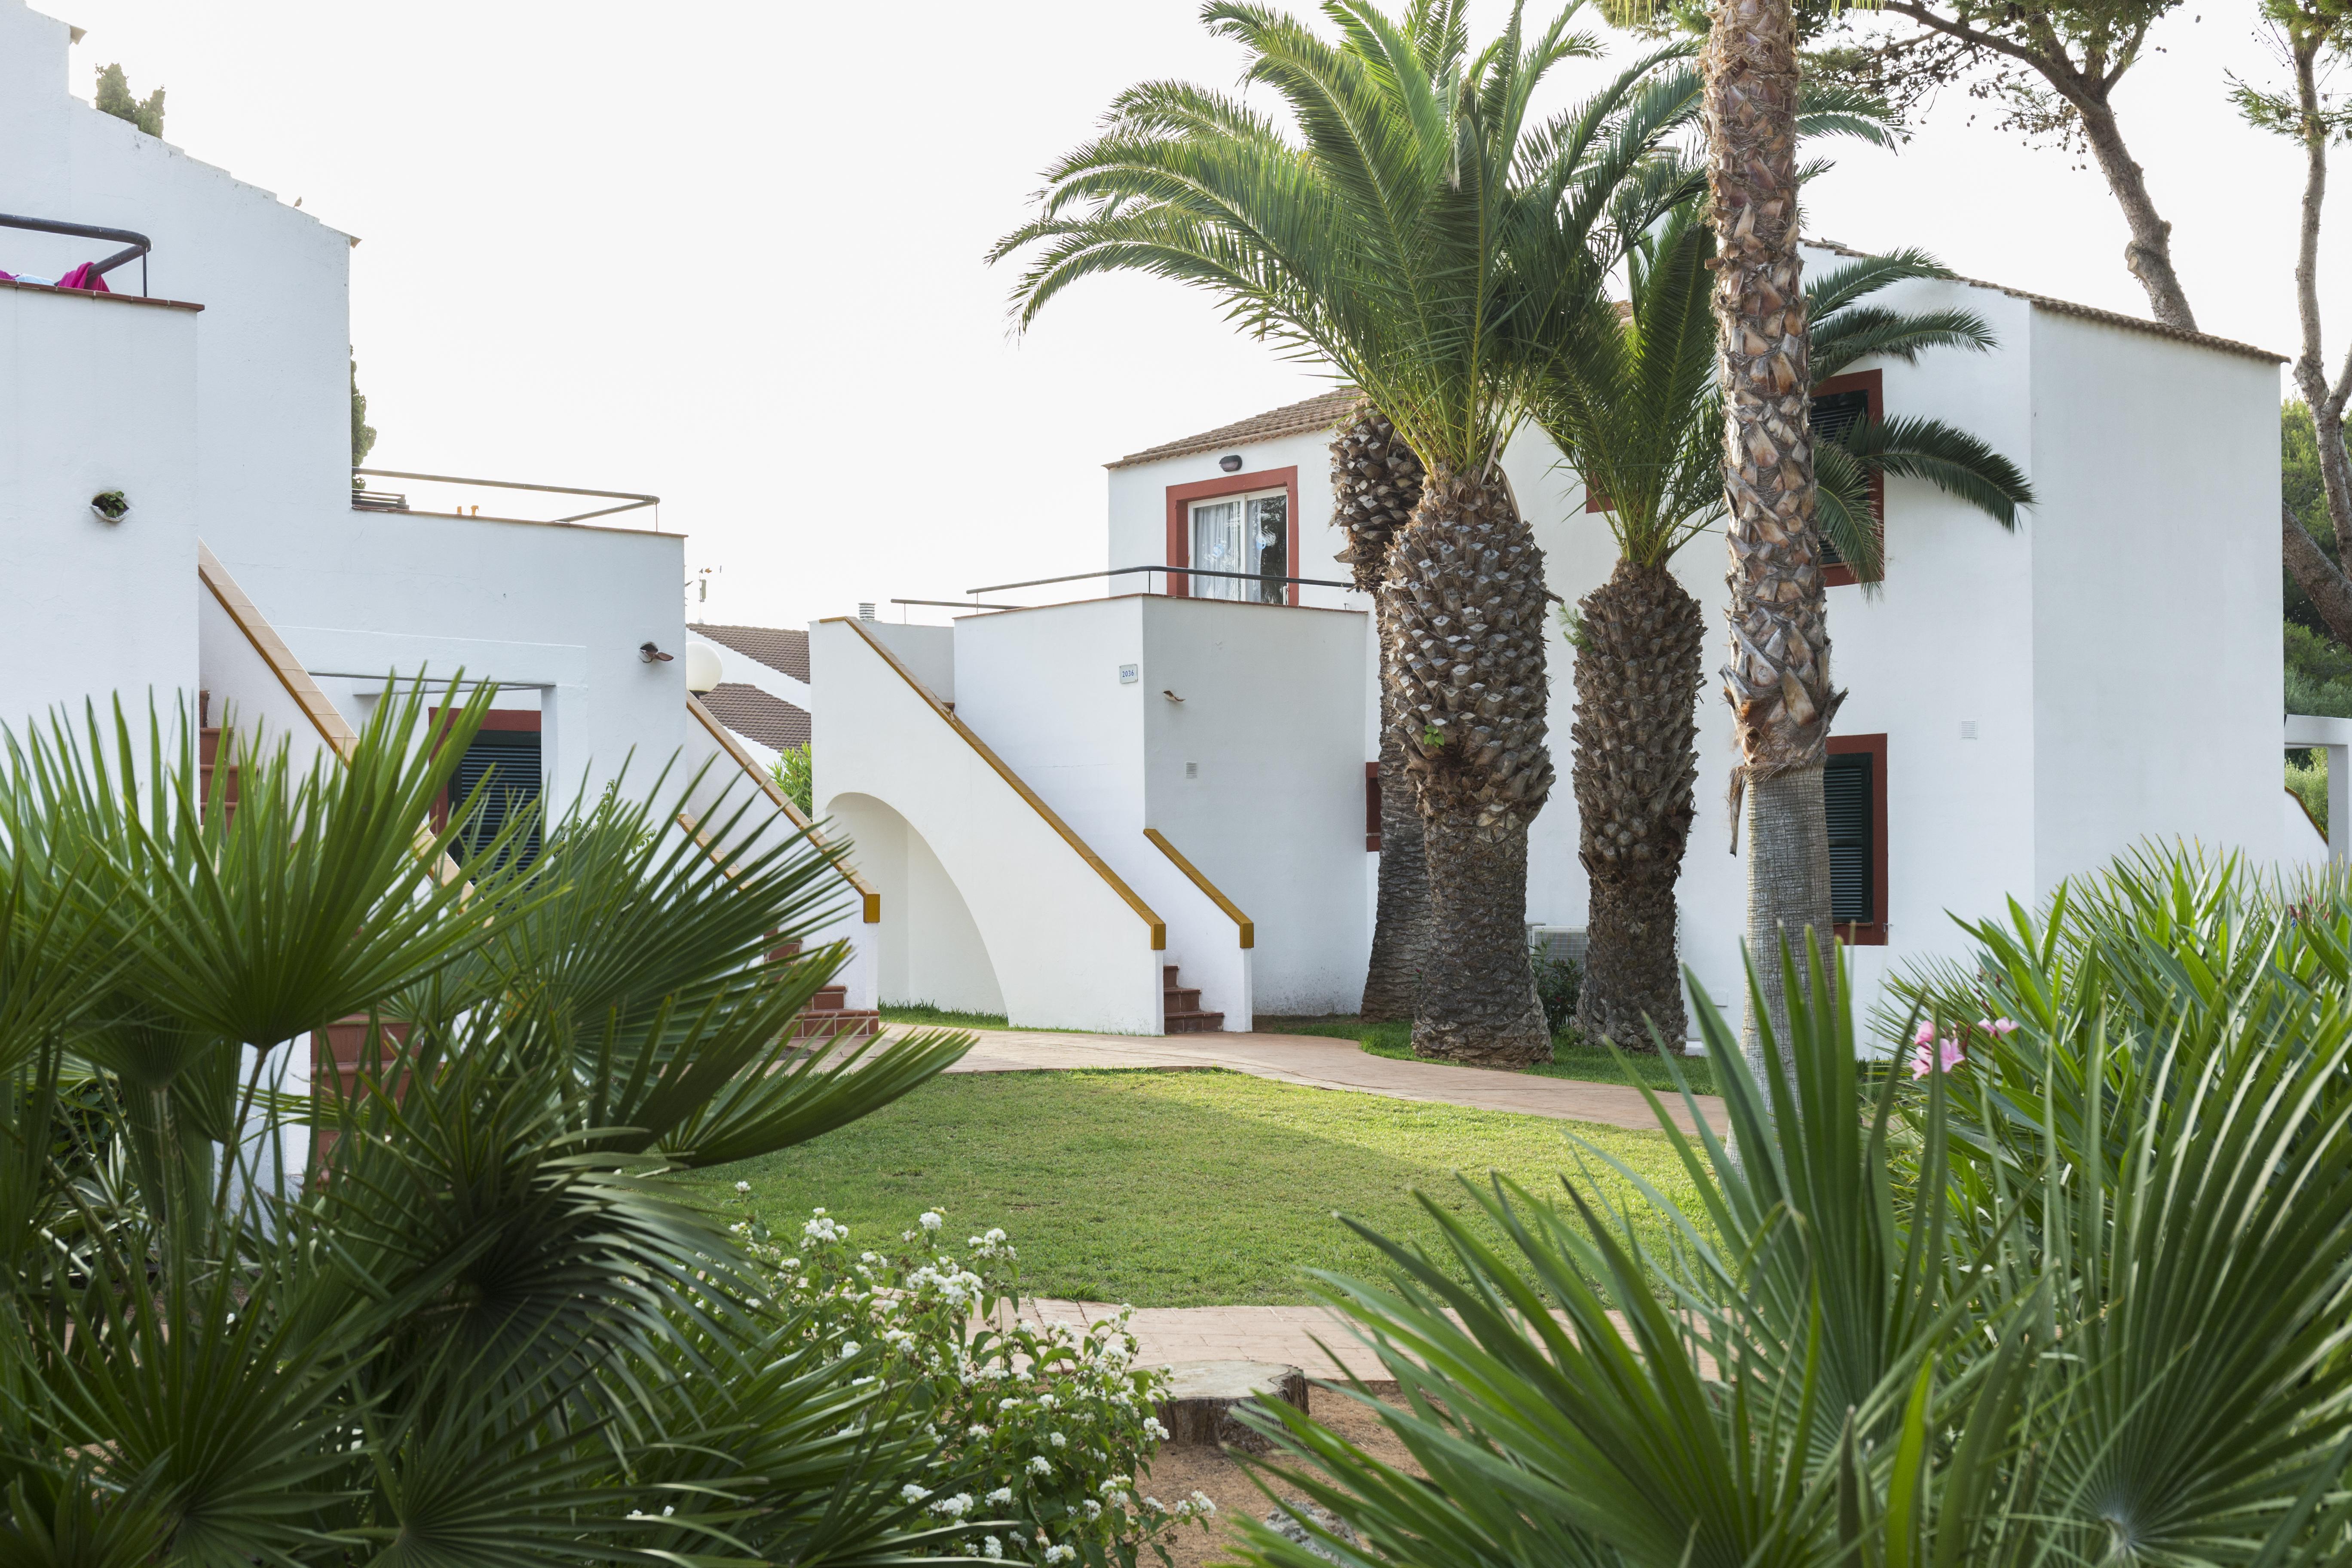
[[211, 388], [2022, 707]]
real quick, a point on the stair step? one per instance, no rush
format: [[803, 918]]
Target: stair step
[[1182, 999], [851, 1023], [1194, 1023], [830, 999], [1180, 1007]]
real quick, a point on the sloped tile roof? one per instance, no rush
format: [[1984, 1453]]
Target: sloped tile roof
[[781, 648], [1318, 413], [2091, 313], [758, 716]]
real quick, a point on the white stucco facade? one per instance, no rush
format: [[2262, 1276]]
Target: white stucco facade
[[2035, 719], [220, 407]]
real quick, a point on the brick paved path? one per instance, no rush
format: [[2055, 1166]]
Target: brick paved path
[[1322, 1063]]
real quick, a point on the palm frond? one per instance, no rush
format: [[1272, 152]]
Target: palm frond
[[1954, 461]]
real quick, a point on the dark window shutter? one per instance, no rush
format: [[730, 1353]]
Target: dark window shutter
[[1846, 788], [509, 761], [1831, 417]]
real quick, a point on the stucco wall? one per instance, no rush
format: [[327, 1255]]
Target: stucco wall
[[559, 608], [2157, 681], [96, 396], [2157, 466]]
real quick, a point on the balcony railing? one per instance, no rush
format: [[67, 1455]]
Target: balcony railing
[[135, 250], [365, 499]]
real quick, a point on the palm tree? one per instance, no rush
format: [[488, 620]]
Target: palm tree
[[2074, 1292], [1375, 485], [489, 1324], [1632, 401], [1374, 241], [1778, 681]]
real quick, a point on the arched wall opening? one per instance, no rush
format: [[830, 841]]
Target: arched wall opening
[[928, 949]]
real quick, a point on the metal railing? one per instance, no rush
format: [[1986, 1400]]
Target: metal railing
[[630, 500], [137, 250], [1172, 571]]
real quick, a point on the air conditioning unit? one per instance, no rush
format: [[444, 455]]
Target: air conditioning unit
[[1558, 942]]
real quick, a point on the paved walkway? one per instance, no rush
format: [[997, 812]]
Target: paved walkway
[[1320, 1062]]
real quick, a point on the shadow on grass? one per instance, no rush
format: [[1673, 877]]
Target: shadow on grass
[[1176, 1190]]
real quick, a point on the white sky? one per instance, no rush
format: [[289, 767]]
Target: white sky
[[731, 252]]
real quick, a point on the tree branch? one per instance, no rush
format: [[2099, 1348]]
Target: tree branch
[[2322, 579]]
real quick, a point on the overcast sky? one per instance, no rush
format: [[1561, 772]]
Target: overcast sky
[[731, 252]]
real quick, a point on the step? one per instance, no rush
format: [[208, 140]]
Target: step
[[1193, 1022], [829, 999], [851, 1023], [209, 743], [1182, 999]]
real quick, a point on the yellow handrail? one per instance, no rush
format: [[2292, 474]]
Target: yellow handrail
[[1159, 927], [1216, 896], [783, 803], [332, 727]]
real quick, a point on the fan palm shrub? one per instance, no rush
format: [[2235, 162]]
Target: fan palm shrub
[[2069, 1289], [1630, 397], [487, 1324], [1369, 232]]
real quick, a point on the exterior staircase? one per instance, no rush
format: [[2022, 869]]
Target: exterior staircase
[[1181, 1007], [209, 743], [827, 1015]]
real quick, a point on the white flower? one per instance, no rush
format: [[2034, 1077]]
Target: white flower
[[869, 1257], [1111, 1484], [753, 1303], [792, 1263], [1040, 1466], [850, 1347], [1008, 1404], [742, 1186], [1046, 1401], [994, 1236], [804, 1282], [1154, 1430], [1057, 1439], [977, 1431], [930, 1219], [990, 1547], [1204, 1503], [1094, 1508], [1153, 1505], [954, 1507], [1060, 1554], [1000, 1497], [910, 1492]]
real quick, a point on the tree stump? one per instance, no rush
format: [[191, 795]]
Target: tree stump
[[1203, 1395]]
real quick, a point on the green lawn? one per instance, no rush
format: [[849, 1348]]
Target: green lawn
[[1171, 1189], [922, 1015], [1572, 1057]]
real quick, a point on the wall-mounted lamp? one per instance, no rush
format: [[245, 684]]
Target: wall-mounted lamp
[[653, 655], [1230, 462], [703, 669], [1171, 696]]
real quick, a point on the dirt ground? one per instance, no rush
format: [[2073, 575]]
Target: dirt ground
[[1178, 1471]]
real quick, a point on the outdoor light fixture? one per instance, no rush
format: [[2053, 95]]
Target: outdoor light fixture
[[1230, 462], [703, 669], [653, 655]]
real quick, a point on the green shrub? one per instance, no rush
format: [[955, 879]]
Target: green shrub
[[1041, 1428], [2067, 1284], [1557, 980], [795, 774]]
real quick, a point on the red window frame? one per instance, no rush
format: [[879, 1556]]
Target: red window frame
[[1371, 808], [1179, 520], [1873, 383], [1870, 934]]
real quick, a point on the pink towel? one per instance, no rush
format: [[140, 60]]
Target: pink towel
[[85, 276]]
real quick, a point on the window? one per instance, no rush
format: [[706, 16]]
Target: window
[[504, 764], [1853, 791], [1243, 524], [1839, 405], [1246, 534]]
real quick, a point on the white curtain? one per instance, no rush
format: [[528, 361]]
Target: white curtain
[[1218, 546]]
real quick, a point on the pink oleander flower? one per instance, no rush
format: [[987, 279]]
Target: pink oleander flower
[[1999, 1026], [1930, 1054], [1926, 1034]]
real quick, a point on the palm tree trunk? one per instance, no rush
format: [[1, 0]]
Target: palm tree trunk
[[1375, 484], [1465, 588], [1779, 678], [1638, 659]]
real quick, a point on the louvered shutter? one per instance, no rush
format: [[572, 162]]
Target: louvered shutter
[[1832, 416], [1846, 789], [507, 760]]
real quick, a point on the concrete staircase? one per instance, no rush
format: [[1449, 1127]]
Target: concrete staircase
[[1181, 1007], [828, 1013], [209, 741]]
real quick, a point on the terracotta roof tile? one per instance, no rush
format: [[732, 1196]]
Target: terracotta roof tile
[[781, 648], [757, 716], [1318, 412]]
